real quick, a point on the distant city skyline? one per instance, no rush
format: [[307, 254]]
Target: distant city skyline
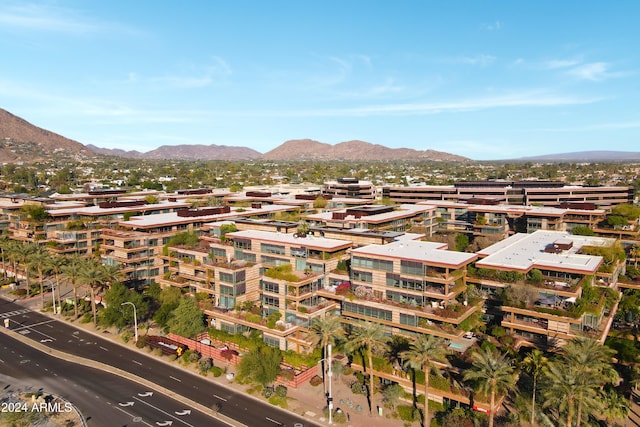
[[485, 80]]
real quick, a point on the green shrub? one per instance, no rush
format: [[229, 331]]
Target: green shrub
[[216, 371], [408, 413], [192, 356], [358, 388], [267, 392], [281, 390], [205, 364], [142, 341], [126, 336], [276, 400], [498, 331]]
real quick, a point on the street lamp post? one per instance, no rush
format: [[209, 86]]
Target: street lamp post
[[329, 374], [135, 320], [327, 360], [53, 295]]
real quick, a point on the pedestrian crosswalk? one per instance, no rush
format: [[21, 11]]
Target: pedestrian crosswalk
[[13, 313]]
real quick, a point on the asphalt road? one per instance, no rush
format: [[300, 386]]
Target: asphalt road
[[64, 337], [103, 399]]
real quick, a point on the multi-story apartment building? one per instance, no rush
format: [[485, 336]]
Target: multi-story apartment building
[[350, 188], [71, 227], [549, 287], [481, 217], [544, 193], [255, 275], [379, 218], [136, 244], [411, 287]]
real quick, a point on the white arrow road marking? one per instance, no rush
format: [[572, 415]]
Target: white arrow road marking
[[166, 413], [46, 340], [185, 412], [146, 394], [126, 404], [163, 424]]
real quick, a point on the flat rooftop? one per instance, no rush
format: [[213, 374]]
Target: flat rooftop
[[519, 209], [164, 219], [401, 211], [523, 252], [434, 253], [98, 211], [290, 238]]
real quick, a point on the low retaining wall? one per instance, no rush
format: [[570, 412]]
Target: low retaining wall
[[216, 349]]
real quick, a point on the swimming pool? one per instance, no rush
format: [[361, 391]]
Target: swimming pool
[[456, 346]]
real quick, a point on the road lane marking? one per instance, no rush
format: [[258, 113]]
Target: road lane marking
[[160, 410], [174, 378], [14, 313], [274, 421], [133, 416], [136, 362], [218, 397], [105, 349], [25, 329]]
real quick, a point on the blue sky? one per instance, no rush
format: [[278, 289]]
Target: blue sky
[[482, 79]]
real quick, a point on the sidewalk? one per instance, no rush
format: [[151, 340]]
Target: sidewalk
[[307, 400]]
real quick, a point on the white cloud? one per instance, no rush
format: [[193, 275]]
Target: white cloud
[[46, 17], [525, 99], [481, 60], [494, 26], [561, 63], [194, 77], [596, 127], [595, 71]]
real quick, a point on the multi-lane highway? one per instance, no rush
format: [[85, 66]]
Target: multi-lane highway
[[103, 399], [63, 337]]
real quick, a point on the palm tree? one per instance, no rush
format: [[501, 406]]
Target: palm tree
[[368, 337], [535, 364], [12, 254], [563, 388], [429, 354], [56, 265], [23, 253], [39, 260], [5, 244], [93, 275], [72, 271], [494, 373], [324, 331], [592, 363]]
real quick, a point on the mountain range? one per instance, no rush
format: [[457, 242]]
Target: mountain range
[[586, 156], [23, 141], [20, 141]]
